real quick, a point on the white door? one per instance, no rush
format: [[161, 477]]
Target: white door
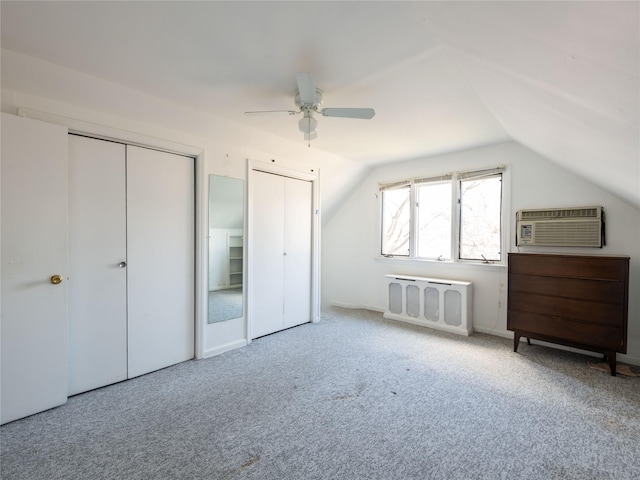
[[281, 253], [97, 274], [160, 252], [297, 246], [34, 249], [267, 241]]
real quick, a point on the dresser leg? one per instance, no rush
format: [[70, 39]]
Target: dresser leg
[[516, 341], [612, 363]]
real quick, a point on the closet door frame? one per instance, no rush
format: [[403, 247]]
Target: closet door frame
[[82, 127], [312, 176]]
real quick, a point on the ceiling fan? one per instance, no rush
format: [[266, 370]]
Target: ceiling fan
[[309, 99]]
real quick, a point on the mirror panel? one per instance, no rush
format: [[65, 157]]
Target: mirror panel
[[226, 254]]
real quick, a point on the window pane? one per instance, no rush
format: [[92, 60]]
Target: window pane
[[480, 212], [434, 220], [395, 221]]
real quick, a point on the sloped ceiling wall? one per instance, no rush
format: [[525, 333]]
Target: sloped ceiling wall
[[561, 78]]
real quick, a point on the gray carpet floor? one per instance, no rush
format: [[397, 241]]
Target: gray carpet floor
[[352, 397]]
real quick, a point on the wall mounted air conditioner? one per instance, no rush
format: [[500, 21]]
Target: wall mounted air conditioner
[[561, 227]]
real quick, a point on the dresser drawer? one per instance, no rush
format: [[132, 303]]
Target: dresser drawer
[[564, 330], [569, 266], [602, 291], [579, 310]]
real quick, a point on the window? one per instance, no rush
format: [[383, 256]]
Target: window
[[433, 205], [395, 221], [480, 218], [455, 217]]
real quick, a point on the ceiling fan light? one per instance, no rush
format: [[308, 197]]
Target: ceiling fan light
[[307, 124]]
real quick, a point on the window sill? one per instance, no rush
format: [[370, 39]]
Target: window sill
[[448, 263]]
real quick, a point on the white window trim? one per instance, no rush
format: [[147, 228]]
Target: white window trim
[[455, 242]]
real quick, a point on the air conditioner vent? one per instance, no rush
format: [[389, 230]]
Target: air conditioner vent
[[563, 227], [552, 213], [571, 234]]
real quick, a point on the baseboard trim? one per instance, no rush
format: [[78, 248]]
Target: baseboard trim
[[624, 358], [212, 352], [357, 307], [435, 326], [620, 357], [495, 333]]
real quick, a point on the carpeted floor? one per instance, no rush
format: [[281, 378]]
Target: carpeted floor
[[352, 397]]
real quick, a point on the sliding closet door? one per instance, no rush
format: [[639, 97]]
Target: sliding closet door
[[267, 232], [297, 245], [280, 253], [160, 252], [97, 272]]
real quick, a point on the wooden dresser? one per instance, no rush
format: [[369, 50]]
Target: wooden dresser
[[574, 300]]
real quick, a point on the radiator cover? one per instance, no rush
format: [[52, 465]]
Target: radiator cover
[[437, 303]]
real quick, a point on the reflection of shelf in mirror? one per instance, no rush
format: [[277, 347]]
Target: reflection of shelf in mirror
[[236, 257], [235, 279]]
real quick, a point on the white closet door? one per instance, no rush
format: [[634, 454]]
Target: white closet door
[[297, 245], [160, 265], [267, 234], [97, 246], [34, 248]]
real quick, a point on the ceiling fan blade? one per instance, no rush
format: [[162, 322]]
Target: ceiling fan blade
[[307, 88], [365, 113], [266, 112]]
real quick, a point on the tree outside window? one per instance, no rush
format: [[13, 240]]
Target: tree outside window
[[434, 220], [480, 218], [395, 221]]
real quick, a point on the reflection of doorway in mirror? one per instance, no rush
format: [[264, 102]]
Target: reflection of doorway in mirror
[[226, 248]]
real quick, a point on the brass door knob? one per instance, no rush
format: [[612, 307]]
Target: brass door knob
[[56, 279]]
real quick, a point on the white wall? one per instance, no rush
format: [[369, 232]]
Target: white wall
[[353, 275]]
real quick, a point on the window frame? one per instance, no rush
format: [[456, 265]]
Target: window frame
[[456, 179]]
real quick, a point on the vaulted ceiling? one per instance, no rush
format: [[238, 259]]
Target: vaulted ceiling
[[561, 78]]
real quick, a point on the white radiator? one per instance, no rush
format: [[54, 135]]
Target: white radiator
[[430, 302]]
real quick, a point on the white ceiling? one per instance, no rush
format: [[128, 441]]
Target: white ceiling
[[561, 78]]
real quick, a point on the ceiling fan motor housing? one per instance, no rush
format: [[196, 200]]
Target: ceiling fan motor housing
[[309, 107]]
